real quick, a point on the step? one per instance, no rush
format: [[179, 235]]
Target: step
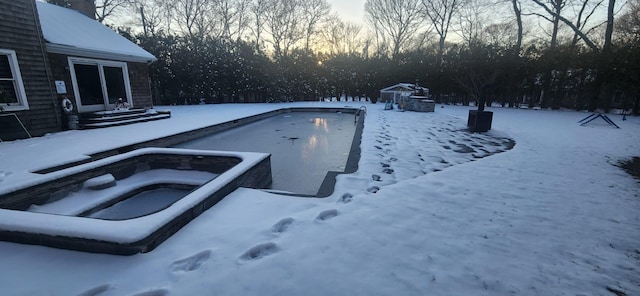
[[114, 113], [103, 124], [114, 118]]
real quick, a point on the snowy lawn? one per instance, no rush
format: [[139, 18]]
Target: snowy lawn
[[423, 215]]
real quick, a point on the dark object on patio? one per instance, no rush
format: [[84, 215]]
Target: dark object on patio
[[480, 120], [11, 128], [593, 116]]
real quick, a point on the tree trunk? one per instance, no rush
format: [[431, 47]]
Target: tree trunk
[[556, 24], [599, 97], [518, 13]]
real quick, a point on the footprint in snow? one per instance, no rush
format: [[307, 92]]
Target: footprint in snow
[[346, 198], [4, 174], [373, 189], [282, 226], [326, 215], [191, 263], [259, 251], [95, 291]]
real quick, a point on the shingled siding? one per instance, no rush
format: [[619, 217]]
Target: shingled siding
[[60, 72], [20, 31], [140, 85]]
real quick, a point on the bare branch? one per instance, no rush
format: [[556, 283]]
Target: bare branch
[[584, 37], [394, 20]]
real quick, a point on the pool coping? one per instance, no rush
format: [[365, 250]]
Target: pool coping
[[329, 183]]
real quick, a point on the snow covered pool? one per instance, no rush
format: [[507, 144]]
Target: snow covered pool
[[307, 147]]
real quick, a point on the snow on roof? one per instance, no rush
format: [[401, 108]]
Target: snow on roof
[[402, 87], [70, 32]]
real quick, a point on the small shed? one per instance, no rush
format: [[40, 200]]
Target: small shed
[[401, 91]]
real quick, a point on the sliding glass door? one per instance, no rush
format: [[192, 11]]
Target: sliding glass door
[[98, 85]]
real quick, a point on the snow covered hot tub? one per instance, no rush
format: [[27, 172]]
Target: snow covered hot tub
[[128, 203]]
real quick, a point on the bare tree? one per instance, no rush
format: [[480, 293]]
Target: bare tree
[[192, 17], [314, 12], [343, 37], [333, 35], [602, 67], [282, 22], [353, 40], [501, 34], [105, 8], [472, 19], [440, 13], [517, 11], [606, 47], [554, 9], [628, 24], [233, 15], [257, 10], [581, 33], [155, 15], [557, 6], [395, 22]]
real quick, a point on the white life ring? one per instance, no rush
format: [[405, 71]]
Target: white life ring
[[67, 105]]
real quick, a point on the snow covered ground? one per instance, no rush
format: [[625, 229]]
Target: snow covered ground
[[552, 216]]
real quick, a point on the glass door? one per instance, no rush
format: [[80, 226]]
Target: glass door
[[114, 82], [98, 85], [89, 86]]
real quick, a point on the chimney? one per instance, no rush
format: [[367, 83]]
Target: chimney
[[87, 7]]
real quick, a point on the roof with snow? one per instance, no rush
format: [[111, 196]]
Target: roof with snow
[[403, 87], [70, 32]]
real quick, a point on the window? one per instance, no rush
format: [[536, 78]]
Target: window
[[12, 94]]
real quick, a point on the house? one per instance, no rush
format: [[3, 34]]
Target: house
[[58, 63]]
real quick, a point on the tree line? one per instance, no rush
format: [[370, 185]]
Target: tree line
[[578, 54]]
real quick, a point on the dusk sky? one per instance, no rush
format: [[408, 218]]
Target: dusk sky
[[349, 10]]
